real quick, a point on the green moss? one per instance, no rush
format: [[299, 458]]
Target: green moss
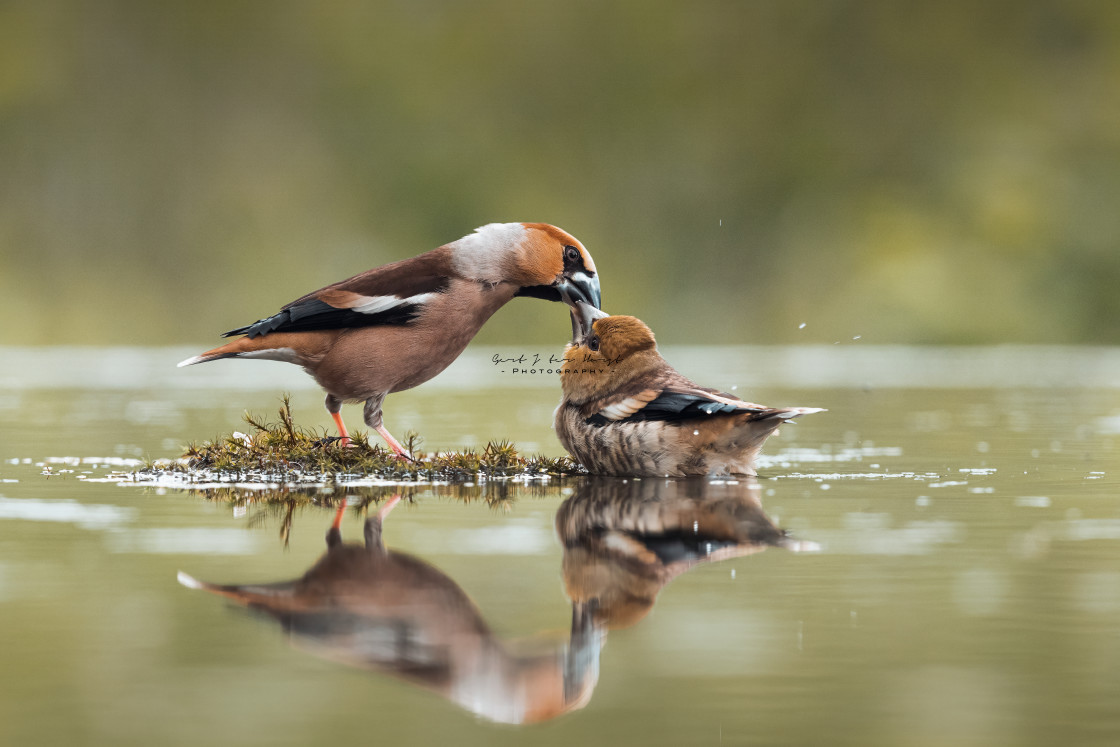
[[282, 451]]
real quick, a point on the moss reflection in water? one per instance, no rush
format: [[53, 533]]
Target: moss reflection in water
[[282, 501]]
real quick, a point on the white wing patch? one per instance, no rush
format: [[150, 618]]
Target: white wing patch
[[378, 304], [630, 405]]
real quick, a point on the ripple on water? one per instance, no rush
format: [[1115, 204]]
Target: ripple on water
[[84, 515]]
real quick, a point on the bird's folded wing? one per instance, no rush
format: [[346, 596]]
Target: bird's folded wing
[[669, 405], [393, 294]]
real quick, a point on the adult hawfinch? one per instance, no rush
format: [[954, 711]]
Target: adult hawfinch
[[396, 326]]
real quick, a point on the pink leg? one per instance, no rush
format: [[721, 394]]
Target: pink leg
[[393, 443], [338, 516], [341, 428], [387, 506]]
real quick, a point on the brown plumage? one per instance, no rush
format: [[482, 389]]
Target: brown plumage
[[376, 609], [624, 540], [396, 326], [626, 411]]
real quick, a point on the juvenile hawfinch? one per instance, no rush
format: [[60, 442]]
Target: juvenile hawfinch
[[626, 411], [396, 326], [370, 607]]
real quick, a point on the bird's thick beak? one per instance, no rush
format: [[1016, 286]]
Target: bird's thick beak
[[583, 316], [581, 287]]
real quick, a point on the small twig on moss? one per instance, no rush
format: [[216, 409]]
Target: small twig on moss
[[260, 426], [286, 418]]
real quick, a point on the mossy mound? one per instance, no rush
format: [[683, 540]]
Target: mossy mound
[[283, 452]]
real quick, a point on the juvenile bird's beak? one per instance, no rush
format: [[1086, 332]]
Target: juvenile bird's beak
[[583, 316], [580, 287]]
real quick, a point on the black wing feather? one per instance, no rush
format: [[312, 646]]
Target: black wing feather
[[316, 315], [675, 407]]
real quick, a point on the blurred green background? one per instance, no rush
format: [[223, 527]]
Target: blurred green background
[[907, 172]]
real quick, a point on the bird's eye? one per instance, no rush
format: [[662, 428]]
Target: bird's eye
[[571, 254], [593, 344]]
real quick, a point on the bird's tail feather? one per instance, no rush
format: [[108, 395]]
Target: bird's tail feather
[[270, 347], [204, 358], [787, 413], [247, 594], [793, 412]]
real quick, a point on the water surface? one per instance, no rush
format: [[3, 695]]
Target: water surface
[[951, 576]]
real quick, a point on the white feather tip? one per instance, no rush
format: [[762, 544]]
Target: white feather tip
[[189, 581], [796, 411]]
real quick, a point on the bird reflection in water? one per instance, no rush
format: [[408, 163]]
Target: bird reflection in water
[[624, 540], [373, 608], [366, 606]]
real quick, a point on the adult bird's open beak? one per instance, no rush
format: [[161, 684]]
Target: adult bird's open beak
[[580, 287], [583, 316]]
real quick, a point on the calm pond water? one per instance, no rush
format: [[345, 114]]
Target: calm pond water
[[952, 574]]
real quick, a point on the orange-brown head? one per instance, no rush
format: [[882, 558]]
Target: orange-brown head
[[619, 337], [542, 260], [606, 353]]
